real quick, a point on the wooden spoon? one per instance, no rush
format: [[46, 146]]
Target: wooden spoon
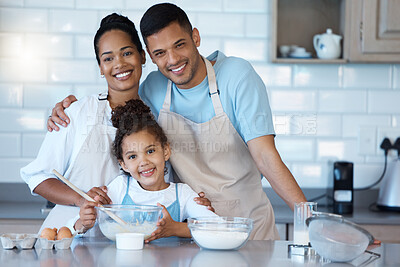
[[88, 198]]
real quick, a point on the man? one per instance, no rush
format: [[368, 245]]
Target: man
[[215, 112]]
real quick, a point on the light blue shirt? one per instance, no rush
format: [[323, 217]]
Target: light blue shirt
[[242, 92]]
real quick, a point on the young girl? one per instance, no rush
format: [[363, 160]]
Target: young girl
[[141, 148]]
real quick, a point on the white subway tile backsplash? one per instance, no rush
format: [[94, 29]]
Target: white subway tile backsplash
[[255, 50], [19, 120], [49, 3], [310, 175], [293, 100], [352, 123], [198, 6], [208, 45], [396, 120], [23, 70], [10, 145], [31, 144], [100, 4], [246, 6], [11, 3], [295, 124], [84, 47], [221, 25], [132, 4], [274, 75], [396, 76], [257, 25], [367, 174], [10, 168], [328, 125], [295, 149], [48, 46], [367, 75], [85, 90], [70, 71], [73, 21], [384, 101], [338, 149], [23, 20], [341, 101], [317, 76], [44, 96], [11, 95], [11, 44]]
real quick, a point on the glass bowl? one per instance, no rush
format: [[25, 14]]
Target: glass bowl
[[139, 219], [220, 233]]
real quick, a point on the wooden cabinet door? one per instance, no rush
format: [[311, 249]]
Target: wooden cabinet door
[[375, 31]]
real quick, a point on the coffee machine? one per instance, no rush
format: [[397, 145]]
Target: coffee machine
[[342, 191]]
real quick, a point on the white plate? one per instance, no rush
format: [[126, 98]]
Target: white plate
[[300, 55]]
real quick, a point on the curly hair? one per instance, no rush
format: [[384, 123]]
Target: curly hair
[[134, 117]]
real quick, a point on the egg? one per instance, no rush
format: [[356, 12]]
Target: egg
[[49, 233], [64, 232]]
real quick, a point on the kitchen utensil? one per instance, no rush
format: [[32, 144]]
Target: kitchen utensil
[[327, 45], [284, 50], [132, 241], [88, 198], [389, 197], [337, 239], [139, 219], [302, 211], [221, 233]]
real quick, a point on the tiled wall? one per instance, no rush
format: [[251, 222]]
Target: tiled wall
[[322, 113]]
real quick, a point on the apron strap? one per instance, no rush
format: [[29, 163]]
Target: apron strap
[[101, 108], [214, 92], [127, 185], [167, 100]]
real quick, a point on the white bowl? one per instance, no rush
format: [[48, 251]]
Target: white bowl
[[139, 219], [220, 233], [132, 241]]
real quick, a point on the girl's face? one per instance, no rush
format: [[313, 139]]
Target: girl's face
[[144, 158], [120, 61]]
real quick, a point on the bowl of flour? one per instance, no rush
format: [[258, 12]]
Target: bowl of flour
[[220, 233]]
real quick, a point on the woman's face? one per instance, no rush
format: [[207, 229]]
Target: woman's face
[[144, 158], [120, 61]]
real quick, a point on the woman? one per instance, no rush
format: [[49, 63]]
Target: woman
[[82, 151]]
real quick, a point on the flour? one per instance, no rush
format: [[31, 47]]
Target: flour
[[109, 229], [219, 239]]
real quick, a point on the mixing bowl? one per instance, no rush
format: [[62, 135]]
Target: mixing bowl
[[337, 239], [222, 233], [139, 219]]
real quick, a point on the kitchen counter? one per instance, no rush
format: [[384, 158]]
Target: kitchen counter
[[181, 252]]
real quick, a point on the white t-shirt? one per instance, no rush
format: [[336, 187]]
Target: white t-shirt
[[188, 207]]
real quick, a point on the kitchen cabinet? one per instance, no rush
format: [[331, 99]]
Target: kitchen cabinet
[[370, 29], [26, 226]]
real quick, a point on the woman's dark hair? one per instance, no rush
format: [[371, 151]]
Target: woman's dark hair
[[116, 22], [134, 117], [160, 16]]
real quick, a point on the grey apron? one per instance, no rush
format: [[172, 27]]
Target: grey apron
[[212, 157]]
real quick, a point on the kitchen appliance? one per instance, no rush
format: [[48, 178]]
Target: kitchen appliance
[[342, 193], [327, 45], [389, 196]]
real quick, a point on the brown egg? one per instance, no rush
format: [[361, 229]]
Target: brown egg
[[49, 233], [64, 232]]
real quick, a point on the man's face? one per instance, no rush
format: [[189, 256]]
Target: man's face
[[175, 53]]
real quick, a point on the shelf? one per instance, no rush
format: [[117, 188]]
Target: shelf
[[309, 61]]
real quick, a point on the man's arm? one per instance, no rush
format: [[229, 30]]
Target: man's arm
[[58, 115], [270, 164]]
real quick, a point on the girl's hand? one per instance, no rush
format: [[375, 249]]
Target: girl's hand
[[168, 227], [88, 215], [202, 200]]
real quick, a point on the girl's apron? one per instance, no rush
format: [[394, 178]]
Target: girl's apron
[[212, 157], [174, 209], [93, 166]]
